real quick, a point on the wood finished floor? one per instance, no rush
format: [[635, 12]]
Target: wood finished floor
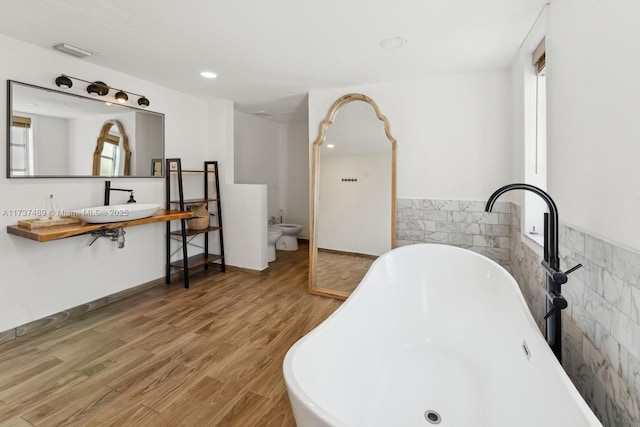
[[341, 271], [210, 355]]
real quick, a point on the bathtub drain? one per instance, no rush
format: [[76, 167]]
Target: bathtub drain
[[432, 416]]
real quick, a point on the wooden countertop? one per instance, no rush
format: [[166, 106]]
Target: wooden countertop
[[45, 234]]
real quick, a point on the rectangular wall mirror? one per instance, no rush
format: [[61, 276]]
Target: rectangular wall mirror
[[55, 134]]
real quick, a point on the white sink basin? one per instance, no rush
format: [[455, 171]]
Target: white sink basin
[[117, 213]]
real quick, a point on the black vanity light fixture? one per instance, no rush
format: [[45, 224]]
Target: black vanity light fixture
[[99, 88], [122, 97], [64, 82]]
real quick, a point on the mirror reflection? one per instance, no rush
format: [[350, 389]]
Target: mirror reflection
[[353, 219], [112, 155], [56, 134]]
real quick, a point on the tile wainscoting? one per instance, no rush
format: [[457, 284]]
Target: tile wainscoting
[[456, 222], [601, 326]]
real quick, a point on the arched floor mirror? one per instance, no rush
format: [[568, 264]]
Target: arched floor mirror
[[353, 195]]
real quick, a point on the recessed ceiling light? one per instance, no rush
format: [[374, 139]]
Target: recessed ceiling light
[[208, 74], [393, 43], [330, 145]]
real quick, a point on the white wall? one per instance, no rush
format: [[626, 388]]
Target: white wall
[[50, 151], [453, 132], [245, 230], [44, 278], [295, 161], [275, 154], [594, 125], [221, 137], [257, 156], [350, 213]]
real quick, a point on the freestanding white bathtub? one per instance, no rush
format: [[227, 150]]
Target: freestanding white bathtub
[[433, 334]]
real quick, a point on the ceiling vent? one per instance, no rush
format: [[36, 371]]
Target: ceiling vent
[[73, 50], [262, 113]]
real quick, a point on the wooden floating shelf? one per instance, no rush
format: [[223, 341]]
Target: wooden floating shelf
[[195, 261], [190, 232], [56, 232], [192, 201], [194, 171]]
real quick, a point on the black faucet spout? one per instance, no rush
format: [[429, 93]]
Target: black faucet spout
[[551, 252], [107, 193]]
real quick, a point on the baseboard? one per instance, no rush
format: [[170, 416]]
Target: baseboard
[[7, 335], [56, 318]]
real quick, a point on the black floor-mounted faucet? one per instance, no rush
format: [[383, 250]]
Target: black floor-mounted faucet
[[108, 190], [551, 263]]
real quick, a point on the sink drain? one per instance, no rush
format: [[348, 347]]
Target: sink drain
[[433, 417]]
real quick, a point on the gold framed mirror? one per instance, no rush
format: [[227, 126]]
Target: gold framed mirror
[[112, 156], [353, 195]]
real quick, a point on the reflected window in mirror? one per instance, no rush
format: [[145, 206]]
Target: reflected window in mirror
[[21, 146], [110, 156]]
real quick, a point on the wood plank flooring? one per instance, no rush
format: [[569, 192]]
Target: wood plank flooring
[[210, 355], [341, 271]]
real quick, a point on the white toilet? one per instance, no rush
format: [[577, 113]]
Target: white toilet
[[273, 234], [288, 241]]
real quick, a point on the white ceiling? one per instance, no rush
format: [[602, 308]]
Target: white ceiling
[[269, 54]]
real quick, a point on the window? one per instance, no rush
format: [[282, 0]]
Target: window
[[536, 145], [21, 146]]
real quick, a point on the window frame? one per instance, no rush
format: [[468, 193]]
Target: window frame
[[20, 122], [533, 54]]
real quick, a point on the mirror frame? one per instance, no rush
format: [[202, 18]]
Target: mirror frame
[[9, 115], [102, 138], [315, 190]]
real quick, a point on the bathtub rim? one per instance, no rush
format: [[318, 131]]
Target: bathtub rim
[[309, 403]]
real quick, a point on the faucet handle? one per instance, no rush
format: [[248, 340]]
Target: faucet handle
[[558, 303], [572, 269], [559, 277], [553, 309]]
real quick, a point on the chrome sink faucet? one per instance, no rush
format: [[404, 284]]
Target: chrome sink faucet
[[115, 235], [108, 189]]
